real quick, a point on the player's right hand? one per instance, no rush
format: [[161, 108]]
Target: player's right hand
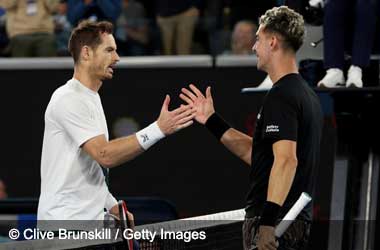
[[204, 105], [172, 121]]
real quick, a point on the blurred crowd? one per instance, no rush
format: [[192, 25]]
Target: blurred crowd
[[41, 28]]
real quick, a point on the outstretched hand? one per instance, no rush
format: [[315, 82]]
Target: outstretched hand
[[203, 105], [172, 121]]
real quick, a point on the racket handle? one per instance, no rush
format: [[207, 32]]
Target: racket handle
[[124, 222]]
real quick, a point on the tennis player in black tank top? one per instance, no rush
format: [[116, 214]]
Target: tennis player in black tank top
[[284, 151]]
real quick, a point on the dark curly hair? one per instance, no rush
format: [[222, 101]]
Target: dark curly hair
[[286, 22], [87, 33]]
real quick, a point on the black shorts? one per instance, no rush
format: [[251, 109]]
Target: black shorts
[[295, 238]]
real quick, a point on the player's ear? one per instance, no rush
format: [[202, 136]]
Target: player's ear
[[86, 53], [275, 41]]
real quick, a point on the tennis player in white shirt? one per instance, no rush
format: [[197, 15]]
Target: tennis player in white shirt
[[76, 144]]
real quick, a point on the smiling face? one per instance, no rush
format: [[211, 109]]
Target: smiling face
[[104, 58], [262, 48]]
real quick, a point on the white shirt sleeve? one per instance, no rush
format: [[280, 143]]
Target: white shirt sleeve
[[77, 119], [110, 201]]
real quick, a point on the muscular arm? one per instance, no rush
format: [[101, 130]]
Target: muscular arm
[[283, 171], [77, 122], [238, 143], [113, 153]]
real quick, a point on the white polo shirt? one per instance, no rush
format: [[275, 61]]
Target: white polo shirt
[[72, 183]]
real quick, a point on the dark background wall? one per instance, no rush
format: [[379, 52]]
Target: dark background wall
[[190, 169]]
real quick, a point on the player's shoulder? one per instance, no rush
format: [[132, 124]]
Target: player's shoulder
[[286, 91], [282, 90], [293, 86], [66, 97]]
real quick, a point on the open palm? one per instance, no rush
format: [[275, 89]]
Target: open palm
[[170, 122], [203, 105]]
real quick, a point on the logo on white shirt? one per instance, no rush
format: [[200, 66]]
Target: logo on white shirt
[[272, 128]]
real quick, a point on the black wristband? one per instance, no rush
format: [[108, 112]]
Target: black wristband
[[216, 125], [269, 214]]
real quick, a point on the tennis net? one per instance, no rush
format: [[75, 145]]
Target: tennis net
[[220, 231]]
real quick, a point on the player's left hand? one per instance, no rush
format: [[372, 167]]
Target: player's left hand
[[204, 105], [266, 238]]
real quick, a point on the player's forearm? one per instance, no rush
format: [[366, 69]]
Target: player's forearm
[[281, 179], [238, 143], [119, 151], [124, 149]]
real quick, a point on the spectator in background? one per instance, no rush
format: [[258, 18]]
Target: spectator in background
[[62, 29], [177, 20], [132, 32], [243, 38], [337, 15], [95, 10], [3, 34], [216, 25], [3, 190], [30, 27], [250, 10]]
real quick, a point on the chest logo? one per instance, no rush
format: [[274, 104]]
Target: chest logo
[[272, 128]]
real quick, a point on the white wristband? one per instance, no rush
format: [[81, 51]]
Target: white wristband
[[149, 135]]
